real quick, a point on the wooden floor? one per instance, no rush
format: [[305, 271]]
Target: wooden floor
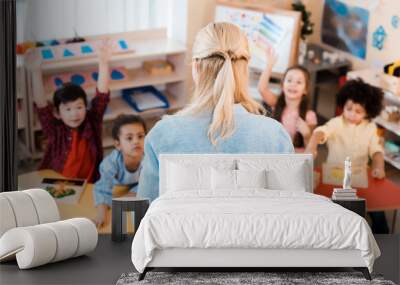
[[111, 259]]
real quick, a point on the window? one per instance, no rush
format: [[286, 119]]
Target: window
[[53, 19]]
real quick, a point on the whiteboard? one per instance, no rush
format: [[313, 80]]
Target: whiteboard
[[262, 29]]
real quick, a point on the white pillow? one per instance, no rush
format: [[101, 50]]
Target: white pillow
[[187, 177], [223, 179], [226, 179], [281, 174], [251, 178]]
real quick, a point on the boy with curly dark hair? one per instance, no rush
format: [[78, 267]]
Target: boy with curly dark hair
[[353, 134]]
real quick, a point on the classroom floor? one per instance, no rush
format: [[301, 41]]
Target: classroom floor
[[110, 259]]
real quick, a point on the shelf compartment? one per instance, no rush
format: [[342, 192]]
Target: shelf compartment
[[118, 106], [143, 49], [136, 77], [391, 126], [390, 160]]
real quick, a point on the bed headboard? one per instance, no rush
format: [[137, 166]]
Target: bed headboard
[[287, 163]]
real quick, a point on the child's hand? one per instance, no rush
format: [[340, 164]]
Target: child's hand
[[105, 50], [33, 60], [311, 149], [100, 218], [272, 56], [303, 128], [378, 173]]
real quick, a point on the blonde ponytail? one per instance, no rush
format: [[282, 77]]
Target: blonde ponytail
[[220, 55]]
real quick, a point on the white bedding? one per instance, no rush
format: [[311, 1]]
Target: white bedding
[[252, 218]]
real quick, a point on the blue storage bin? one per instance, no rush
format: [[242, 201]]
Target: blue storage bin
[[145, 98]]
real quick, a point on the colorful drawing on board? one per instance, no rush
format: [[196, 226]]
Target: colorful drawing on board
[[345, 27], [273, 32], [378, 38], [86, 49], [47, 54], [263, 29], [395, 21]]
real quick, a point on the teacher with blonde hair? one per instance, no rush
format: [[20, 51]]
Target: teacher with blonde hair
[[221, 117]]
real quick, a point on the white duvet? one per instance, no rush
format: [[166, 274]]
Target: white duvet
[[250, 219]]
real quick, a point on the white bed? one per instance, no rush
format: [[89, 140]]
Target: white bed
[[225, 210]]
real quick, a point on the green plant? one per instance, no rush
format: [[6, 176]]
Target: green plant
[[307, 26]]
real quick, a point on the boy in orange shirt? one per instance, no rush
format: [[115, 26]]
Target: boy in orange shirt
[[73, 130]]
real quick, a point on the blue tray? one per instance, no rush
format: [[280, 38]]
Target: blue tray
[[129, 96]]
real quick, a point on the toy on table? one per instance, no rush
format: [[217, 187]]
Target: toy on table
[[334, 174], [347, 192]]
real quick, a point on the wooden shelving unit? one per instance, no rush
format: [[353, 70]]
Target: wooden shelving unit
[[390, 85], [147, 45]]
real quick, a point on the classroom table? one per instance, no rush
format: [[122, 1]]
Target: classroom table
[[381, 194], [84, 208]]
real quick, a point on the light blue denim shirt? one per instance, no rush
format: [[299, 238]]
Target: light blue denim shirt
[[113, 172], [188, 134]]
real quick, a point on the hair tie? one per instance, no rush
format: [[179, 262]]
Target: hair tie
[[224, 54]]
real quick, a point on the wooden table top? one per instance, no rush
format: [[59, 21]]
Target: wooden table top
[[84, 208], [381, 194]]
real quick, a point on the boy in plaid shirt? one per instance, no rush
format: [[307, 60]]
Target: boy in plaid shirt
[[73, 130]]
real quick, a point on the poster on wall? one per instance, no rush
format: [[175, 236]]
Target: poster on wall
[[264, 29], [345, 27]]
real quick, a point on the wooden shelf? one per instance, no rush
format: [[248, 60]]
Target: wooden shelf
[[377, 78], [393, 127], [392, 162], [143, 49], [118, 106], [393, 99], [147, 44], [136, 77]]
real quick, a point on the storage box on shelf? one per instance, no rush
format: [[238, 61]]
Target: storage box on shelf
[[391, 86], [147, 45]]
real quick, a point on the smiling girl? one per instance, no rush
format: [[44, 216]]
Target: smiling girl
[[291, 107]]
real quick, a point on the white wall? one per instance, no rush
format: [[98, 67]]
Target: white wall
[[49, 19]]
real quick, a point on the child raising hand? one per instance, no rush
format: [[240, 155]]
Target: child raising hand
[[291, 107], [73, 130]]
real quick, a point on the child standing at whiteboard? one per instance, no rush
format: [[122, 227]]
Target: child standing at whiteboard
[[291, 107], [73, 130]]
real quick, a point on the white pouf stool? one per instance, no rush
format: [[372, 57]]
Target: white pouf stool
[[31, 232]]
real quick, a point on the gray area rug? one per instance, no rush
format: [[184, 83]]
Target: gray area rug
[[229, 278]]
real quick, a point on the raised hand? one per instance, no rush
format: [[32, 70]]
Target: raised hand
[[271, 55], [105, 50]]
